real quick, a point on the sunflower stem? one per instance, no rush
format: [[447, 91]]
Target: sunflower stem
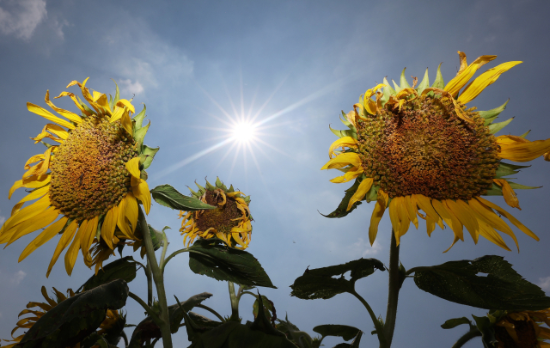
[[163, 265], [149, 285], [234, 302], [211, 311], [379, 327], [474, 332], [395, 281], [159, 282], [164, 249]]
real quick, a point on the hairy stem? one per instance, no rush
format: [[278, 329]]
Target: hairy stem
[[234, 302], [474, 332], [379, 327]]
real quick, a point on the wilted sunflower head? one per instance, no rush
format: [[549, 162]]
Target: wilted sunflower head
[[523, 330], [230, 221], [89, 182], [418, 147]]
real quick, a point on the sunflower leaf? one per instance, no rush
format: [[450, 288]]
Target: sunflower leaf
[[341, 210], [487, 330], [211, 257], [147, 155], [438, 83], [501, 288], [344, 331], [124, 268], [321, 282], [169, 197], [493, 113]]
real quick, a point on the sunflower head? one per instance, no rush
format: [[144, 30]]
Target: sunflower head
[[420, 148], [523, 330], [230, 221], [89, 181]]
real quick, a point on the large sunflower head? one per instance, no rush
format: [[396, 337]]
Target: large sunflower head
[[523, 330], [230, 221], [113, 318], [420, 148], [88, 183]]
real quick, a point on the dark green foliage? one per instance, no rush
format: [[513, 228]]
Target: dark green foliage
[[341, 210], [211, 257], [452, 323], [502, 288], [321, 282], [169, 197], [344, 331], [124, 268]]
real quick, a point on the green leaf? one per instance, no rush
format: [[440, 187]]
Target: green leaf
[[496, 127], [76, 317], [270, 313], [425, 83], [505, 169], [300, 338], [211, 257], [344, 331], [438, 83], [139, 134], [502, 288], [138, 118], [403, 80], [156, 236], [493, 113], [169, 197], [124, 268], [321, 282], [147, 155], [341, 210], [353, 344], [452, 323], [487, 330]]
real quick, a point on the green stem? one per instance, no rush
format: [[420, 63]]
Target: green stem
[[164, 249], [379, 327], [148, 309], [249, 293], [474, 332], [211, 311], [149, 285], [159, 282], [170, 258], [234, 302], [395, 281]]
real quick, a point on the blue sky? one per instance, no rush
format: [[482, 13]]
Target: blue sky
[[291, 67]]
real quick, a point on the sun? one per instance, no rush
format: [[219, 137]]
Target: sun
[[244, 132]]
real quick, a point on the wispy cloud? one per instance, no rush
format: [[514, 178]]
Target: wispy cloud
[[544, 283], [17, 277], [2, 219], [363, 248], [21, 17]]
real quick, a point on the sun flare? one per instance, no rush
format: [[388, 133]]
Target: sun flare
[[244, 132]]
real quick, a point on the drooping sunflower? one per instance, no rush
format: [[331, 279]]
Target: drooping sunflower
[[420, 148], [523, 329], [88, 186], [230, 221], [38, 309]]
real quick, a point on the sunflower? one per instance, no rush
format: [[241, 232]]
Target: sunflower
[[523, 329], [87, 186], [230, 221], [419, 148], [38, 309]]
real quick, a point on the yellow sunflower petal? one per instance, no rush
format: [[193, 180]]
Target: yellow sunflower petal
[[375, 218], [456, 238], [16, 185], [121, 219], [482, 81], [127, 123], [448, 217], [509, 195], [86, 239], [72, 252], [403, 215], [66, 237], [350, 175], [39, 192], [410, 205], [40, 221], [109, 225], [342, 142], [425, 204], [43, 237], [48, 115], [27, 213], [362, 190], [342, 160], [36, 181], [465, 216], [75, 101], [124, 103], [33, 159], [516, 150], [132, 166], [130, 213], [490, 234], [487, 215], [142, 193], [67, 114], [466, 74], [509, 217]]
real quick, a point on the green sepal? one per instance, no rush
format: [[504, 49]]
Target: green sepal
[[147, 155], [202, 190], [231, 189], [525, 134], [494, 190], [345, 121], [169, 197], [487, 330], [439, 83], [425, 83], [403, 80], [522, 187], [452, 323], [372, 194], [195, 194], [341, 210], [324, 282], [490, 115], [344, 133], [113, 101], [139, 134], [220, 184], [209, 186], [85, 106], [124, 268], [498, 286], [386, 92], [496, 127], [143, 175], [505, 169], [397, 88], [138, 118]]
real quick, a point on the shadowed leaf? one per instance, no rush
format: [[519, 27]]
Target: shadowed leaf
[[169, 197]]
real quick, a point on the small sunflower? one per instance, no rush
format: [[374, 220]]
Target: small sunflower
[[523, 330], [421, 148], [38, 309], [230, 221], [92, 179]]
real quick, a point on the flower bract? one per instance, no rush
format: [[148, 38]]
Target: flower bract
[[230, 221], [86, 187], [419, 151]]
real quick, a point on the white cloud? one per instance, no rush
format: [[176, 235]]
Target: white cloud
[[129, 87], [18, 277], [363, 248], [2, 219], [544, 283], [21, 17]]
